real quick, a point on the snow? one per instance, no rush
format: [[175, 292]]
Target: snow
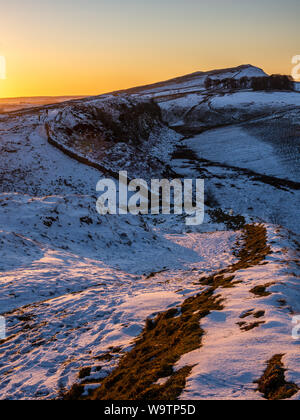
[[235, 146], [139, 148], [72, 288], [230, 360], [76, 286], [256, 99], [255, 200], [96, 308], [196, 81], [189, 100], [250, 71]]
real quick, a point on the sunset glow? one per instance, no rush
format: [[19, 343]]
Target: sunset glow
[[149, 203], [84, 47]]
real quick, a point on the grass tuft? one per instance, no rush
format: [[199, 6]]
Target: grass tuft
[[273, 384], [174, 333]]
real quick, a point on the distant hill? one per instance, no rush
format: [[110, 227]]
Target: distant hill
[[15, 104], [197, 79]]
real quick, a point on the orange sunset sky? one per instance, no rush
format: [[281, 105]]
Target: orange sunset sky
[[87, 47]]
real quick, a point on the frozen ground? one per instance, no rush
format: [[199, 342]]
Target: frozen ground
[[257, 99], [231, 360], [196, 81], [73, 284], [96, 308], [237, 146], [76, 288]]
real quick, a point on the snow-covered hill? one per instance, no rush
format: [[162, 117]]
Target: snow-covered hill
[[196, 81], [77, 288]]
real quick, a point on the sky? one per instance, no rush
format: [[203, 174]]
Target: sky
[[88, 47]]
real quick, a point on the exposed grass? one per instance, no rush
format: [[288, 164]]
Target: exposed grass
[[273, 384], [248, 327], [163, 341], [245, 315], [172, 334], [104, 358], [154, 273], [232, 222], [84, 372], [261, 291], [259, 314], [255, 248], [75, 393]]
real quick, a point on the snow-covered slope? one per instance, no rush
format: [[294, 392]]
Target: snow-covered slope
[[195, 81], [117, 132], [57, 254], [77, 288], [241, 338]]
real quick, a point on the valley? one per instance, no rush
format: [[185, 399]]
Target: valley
[[90, 300]]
